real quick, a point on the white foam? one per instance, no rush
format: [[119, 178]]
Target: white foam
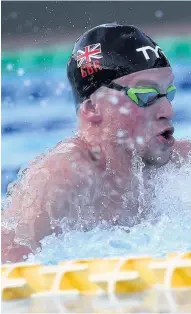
[[167, 229]]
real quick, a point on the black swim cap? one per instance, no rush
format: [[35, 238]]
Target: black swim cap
[[107, 52]]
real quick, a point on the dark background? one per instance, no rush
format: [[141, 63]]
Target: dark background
[[59, 20]]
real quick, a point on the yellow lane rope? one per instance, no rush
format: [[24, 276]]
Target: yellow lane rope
[[94, 277]]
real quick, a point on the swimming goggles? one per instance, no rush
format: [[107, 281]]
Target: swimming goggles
[[144, 96]]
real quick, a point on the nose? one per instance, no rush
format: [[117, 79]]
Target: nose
[[164, 109]]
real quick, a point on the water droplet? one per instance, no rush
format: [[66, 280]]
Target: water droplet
[[118, 180], [120, 141], [43, 103], [71, 145], [27, 83], [20, 72], [96, 149], [74, 165], [62, 85], [13, 15], [123, 110], [35, 29], [113, 100], [38, 250], [121, 133], [9, 67], [100, 95], [159, 14], [58, 91], [114, 192], [130, 143], [139, 140]]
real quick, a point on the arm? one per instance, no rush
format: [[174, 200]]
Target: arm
[[10, 250], [43, 197]]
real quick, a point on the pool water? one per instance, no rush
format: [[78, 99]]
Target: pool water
[[168, 228], [54, 119]]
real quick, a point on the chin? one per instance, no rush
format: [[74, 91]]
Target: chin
[[158, 162], [157, 159], [156, 155]]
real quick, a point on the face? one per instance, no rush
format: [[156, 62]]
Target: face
[[148, 130]]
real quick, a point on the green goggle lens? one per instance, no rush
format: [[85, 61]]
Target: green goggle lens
[[171, 92], [145, 96]]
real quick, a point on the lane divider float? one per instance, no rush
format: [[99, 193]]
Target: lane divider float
[[94, 277]]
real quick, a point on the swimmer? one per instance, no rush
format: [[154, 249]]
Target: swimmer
[[123, 87]]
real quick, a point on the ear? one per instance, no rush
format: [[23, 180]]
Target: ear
[[90, 111]]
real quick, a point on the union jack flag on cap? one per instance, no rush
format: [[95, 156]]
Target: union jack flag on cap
[[87, 54]]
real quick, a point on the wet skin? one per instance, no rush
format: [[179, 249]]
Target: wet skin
[[85, 179]]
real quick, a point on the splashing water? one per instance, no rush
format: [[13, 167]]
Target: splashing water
[[169, 231]]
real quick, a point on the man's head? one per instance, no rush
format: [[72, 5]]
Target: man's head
[[116, 72]]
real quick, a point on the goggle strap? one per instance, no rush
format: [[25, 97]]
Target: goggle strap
[[131, 92], [115, 86]]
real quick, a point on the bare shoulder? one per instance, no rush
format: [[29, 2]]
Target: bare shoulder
[[62, 169], [48, 191], [69, 160], [182, 149]]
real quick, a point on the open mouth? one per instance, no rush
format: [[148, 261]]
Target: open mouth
[[168, 133], [166, 137]]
